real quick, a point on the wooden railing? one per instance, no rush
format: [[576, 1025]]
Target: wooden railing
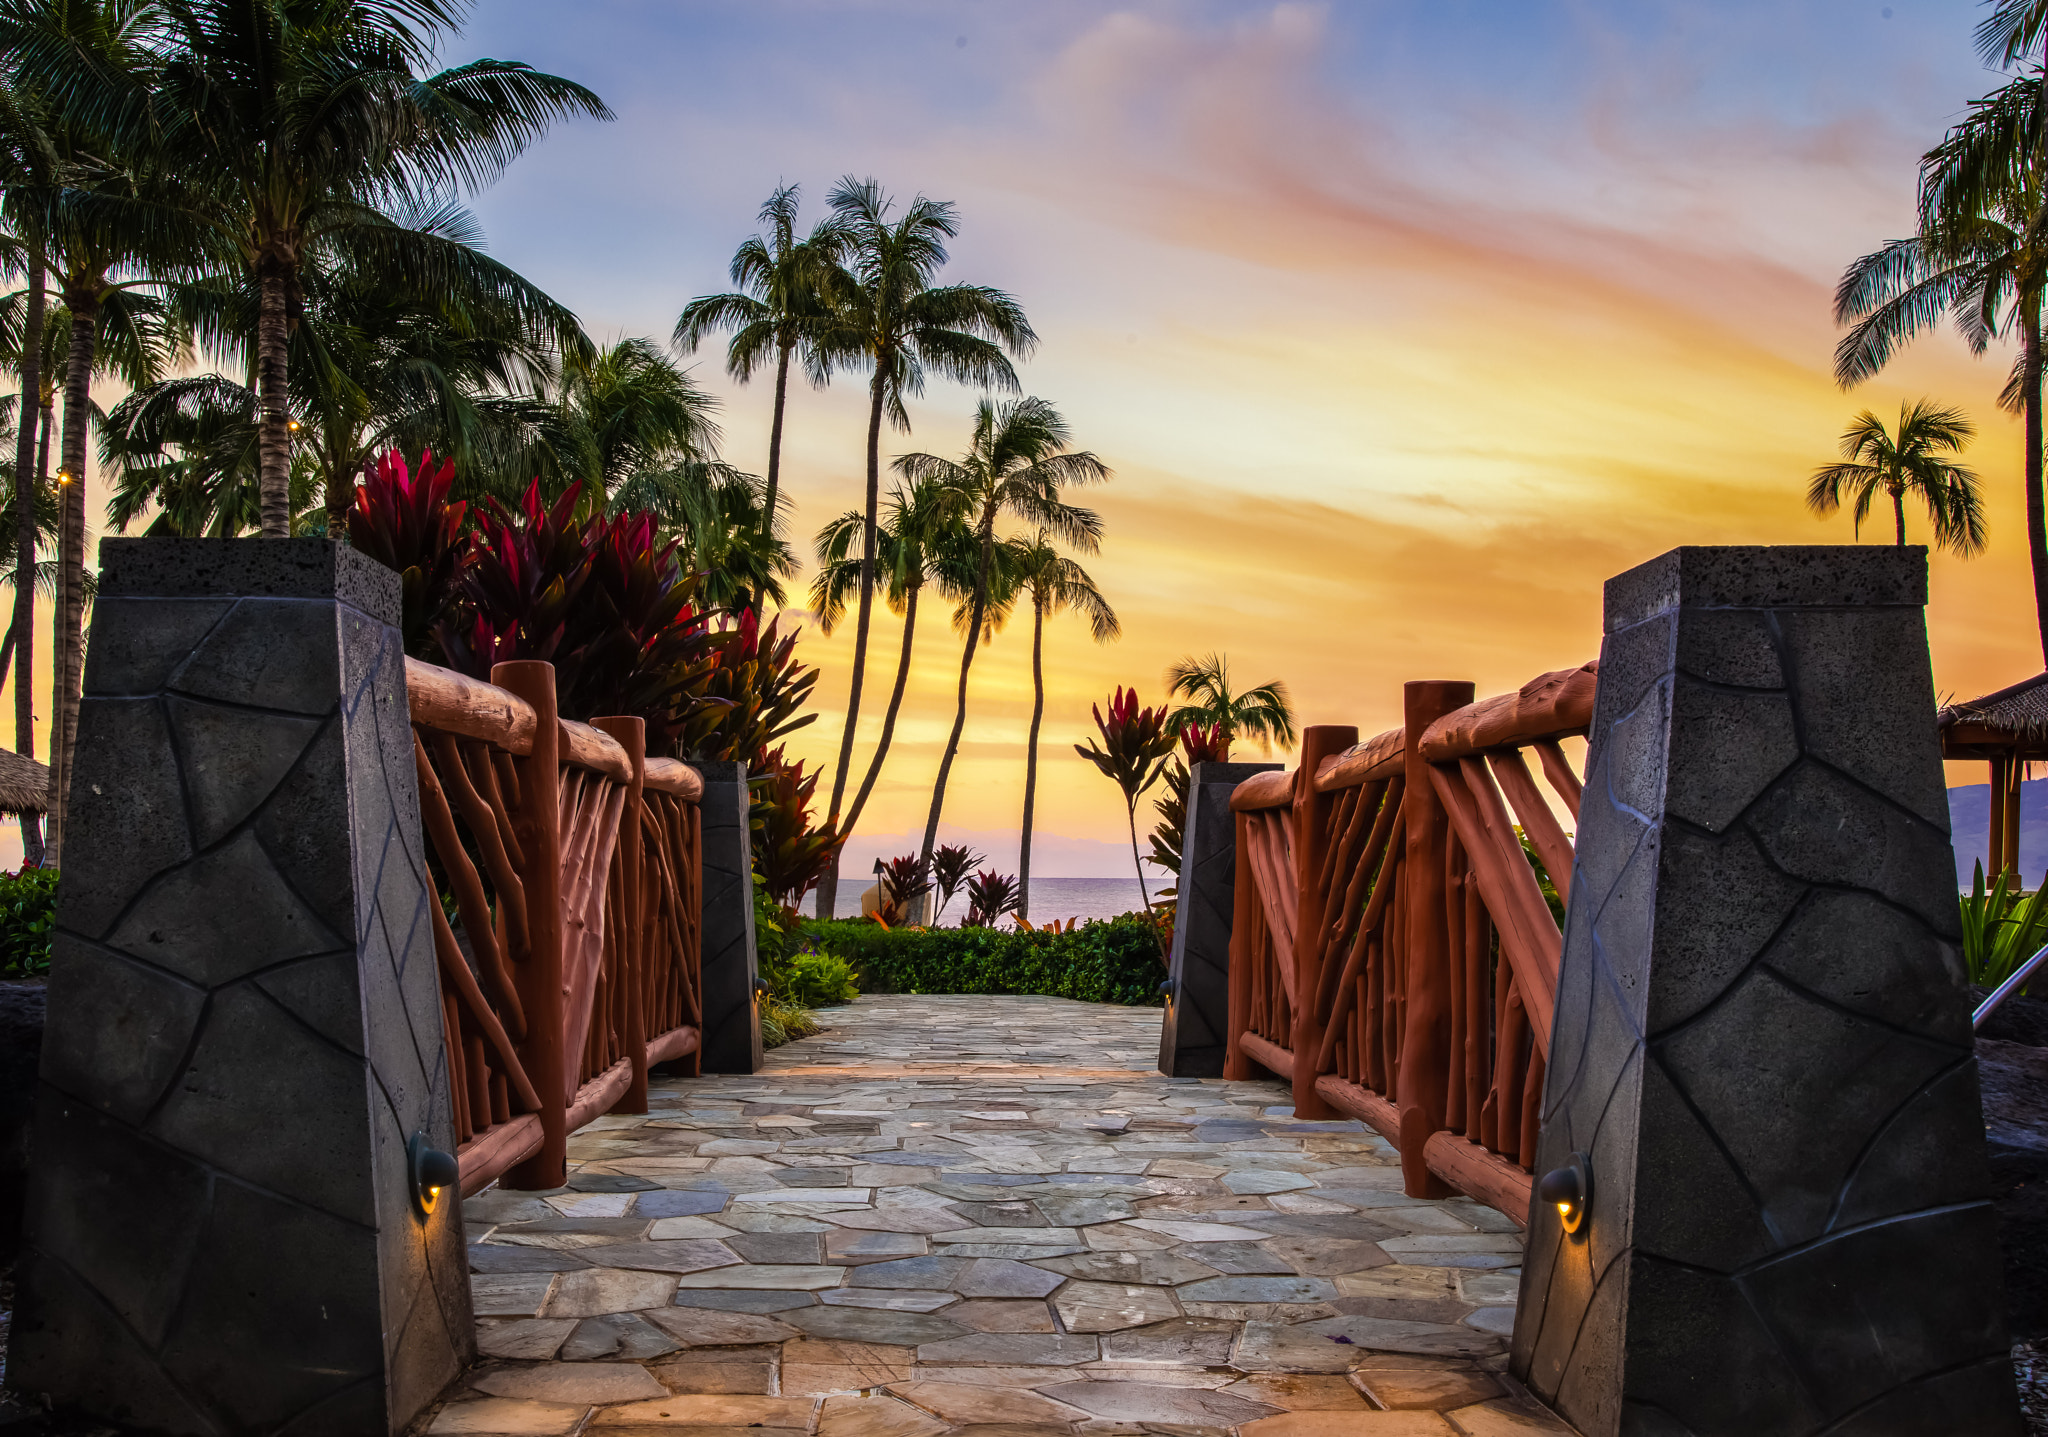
[[574, 861], [1393, 954]]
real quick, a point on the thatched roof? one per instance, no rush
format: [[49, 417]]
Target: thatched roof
[[2015, 716], [24, 784]]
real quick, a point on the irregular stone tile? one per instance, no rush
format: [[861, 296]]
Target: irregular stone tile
[[1490, 1289], [571, 1382], [1000, 1277], [713, 1327], [1183, 1342], [797, 1278], [1198, 1231], [812, 1197], [526, 1338], [847, 1245], [902, 1219], [1082, 1210], [588, 1231], [1248, 1181], [994, 1314], [510, 1294], [711, 1409], [1263, 1311], [1122, 1237], [736, 1147], [1180, 1168], [1239, 1259], [1014, 1251], [1001, 1214], [1400, 1282], [1507, 1418], [768, 1222], [818, 1379], [743, 1299], [1301, 1202], [1300, 1392], [624, 1335], [1010, 1236], [670, 1229], [873, 1415], [1350, 1424], [602, 1204], [1147, 1402], [779, 1247], [1348, 1227], [1328, 1257], [860, 1324], [507, 1417], [489, 1257], [848, 1352], [1258, 1289], [1107, 1307], [1500, 1321], [502, 1205], [755, 1378], [1406, 1309], [1287, 1347], [975, 1406], [678, 1255], [1438, 1389], [1022, 1349], [911, 1272], [675, 1202], [891, 1299], [599, 1290], [1163, 1269], [1486, 1242]]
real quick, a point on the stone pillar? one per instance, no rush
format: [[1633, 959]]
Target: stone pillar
[[1197, 1022], [244, 1016], [1762, 1042], [731, 1041]]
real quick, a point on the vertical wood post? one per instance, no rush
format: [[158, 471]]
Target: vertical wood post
[[2015, 772], [631, 734], [1994, 855], [1422, 1087], [1245, 914], [538, 824], [1311, 852]]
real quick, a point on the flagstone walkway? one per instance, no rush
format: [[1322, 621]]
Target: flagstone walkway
[[986, 1216]]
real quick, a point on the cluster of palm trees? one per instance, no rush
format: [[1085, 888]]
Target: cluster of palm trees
[[1980, 260], [859, 291]]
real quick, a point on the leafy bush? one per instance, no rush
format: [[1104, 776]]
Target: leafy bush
[[2001, 930], [1113, 962], [785, 1022], [28, 909]]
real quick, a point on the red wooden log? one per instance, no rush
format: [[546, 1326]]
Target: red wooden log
[[443, 699], [631, 735], [1557, 768], [1272, 789], [536, 825], [1380, 757], [1549, 706], [1313, 812], [1546, 834]]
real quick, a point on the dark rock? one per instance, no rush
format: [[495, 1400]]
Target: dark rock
[[21, 1044]]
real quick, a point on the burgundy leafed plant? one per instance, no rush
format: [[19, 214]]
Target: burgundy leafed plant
[[989, 896], [1136, 745], [1169, 835], [903, 879], [404, 519], [789, 854], [951, 863]]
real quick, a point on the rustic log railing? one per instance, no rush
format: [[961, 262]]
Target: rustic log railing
[[574, 862], [1394, 956]]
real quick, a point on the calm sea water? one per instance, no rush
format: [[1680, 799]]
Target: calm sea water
[[1051, 898]]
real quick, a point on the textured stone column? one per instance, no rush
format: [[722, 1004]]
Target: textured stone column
[[244, 1018], [1197, 1023], [732, 1014], [1762, 1039]]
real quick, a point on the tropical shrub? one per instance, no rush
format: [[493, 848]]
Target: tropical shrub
[[989, 896], [28, 910], [903, 879], [790, 854], [2001, 928], [951, 863], [404, 519], [752, 692], [1100, 962], [1197, 745]]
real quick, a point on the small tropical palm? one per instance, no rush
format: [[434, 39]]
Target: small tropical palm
[[1017, 465], [1264, 712], [1053, 584], [625, 409], [1914, 458]]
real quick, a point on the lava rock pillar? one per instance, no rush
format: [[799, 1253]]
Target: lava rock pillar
[[244, 1016], [1762, 1043], [731, 1037]]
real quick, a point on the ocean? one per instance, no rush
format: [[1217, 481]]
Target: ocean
[[1051, 898]]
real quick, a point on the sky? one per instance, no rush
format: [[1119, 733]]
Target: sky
[[1403, 326]]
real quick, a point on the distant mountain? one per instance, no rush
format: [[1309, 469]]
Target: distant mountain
[[1969, 817]]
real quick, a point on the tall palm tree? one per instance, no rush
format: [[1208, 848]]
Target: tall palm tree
[[1263, 712], [1017, 465], [776, 310], [624, 409], [889, 317], [1053, 584], [1916, 458], [921, 541], [309, 120]]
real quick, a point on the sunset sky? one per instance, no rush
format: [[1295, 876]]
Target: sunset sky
[[1403, 325]]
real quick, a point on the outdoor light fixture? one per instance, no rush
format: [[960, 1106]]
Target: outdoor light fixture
[[1570, 1188], [292, 424], [430, 1170], [63, 476]]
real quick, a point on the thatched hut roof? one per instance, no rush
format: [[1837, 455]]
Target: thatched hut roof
[[2015, 717], [24, 784]]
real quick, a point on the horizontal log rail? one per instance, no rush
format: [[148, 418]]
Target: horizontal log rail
[[570, 964], [1394, 954]]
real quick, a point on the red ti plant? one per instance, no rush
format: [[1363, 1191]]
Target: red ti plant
[[903, 879], [1136, 745], [404, 519], [789, 853], [1197, 745], [989, 896], [759, 686]]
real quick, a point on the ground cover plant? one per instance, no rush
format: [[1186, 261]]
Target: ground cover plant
[[28, 907], [1100, 962]]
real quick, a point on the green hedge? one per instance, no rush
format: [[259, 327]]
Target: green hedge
[[1113, 962], [28, 908]]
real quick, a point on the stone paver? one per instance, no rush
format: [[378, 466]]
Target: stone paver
[[946, 1213]]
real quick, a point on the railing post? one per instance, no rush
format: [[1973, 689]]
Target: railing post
[[546, 1053], [1244, 915], [1311, 851], [629, 919], [1422, 1087], [1196, 1031]]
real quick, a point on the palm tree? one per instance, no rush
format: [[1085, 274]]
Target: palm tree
[[719, 517], [921, 541], [309, 122], [1017, 464], [1263, 712], [624, 410], [1052, 583], [888, 316], [1913, 459], [776, 310]]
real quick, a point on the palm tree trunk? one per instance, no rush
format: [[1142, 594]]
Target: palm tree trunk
[[2037, 521], [874, 772], [30, 419], [931, 823], [1899, 514], [70, 638], [828, 887], [273, 434], [775, 443], [1031, 757]]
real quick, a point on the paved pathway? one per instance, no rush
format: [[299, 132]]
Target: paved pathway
[[988, 1216]]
